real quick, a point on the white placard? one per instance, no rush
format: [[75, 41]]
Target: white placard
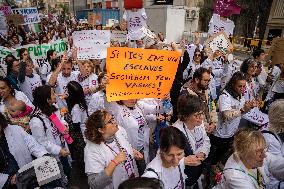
[[119, 36], [91, 44], [3, 24], [30, 14], [256, 116], [46, 170], [218, 41]]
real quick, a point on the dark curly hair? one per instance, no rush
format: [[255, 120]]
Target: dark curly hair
[[95, 122]]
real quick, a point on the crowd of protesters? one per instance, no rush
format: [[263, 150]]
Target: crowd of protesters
[[196, 137]]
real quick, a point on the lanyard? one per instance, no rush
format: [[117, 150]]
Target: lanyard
[[184, 128], [258, 178], [127, 162]]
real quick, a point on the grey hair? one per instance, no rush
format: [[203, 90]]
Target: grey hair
[[276, 116]]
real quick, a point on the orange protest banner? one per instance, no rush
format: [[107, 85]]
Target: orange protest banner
[[140, 73]]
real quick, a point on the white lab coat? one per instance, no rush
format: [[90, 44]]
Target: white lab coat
[[197, 137], [19, 96], [151, 108], [50, 137], [98, 156], [276, 147], [96, 102], [126, 120], [236, 175], [22, 146], [171, 177]]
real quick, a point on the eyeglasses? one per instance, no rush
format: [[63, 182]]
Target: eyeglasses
[[197, 55]]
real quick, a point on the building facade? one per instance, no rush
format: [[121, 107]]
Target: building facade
[[275, 24]]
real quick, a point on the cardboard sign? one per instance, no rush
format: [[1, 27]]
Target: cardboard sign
[[119, 36], [91, 44], [16, 19], [218, 41], [276, 51], [6, 10], [30, 14], [140, 73]]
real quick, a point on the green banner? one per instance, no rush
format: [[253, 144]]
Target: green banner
[[3, 53], [39, 51]]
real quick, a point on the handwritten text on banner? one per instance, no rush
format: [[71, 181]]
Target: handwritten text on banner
[[139, 73], [91, 44]]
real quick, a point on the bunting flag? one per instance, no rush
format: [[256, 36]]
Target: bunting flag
[[226, 8]]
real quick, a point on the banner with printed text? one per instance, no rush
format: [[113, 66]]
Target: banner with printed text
[[39, 51], [36, 51], [30, 14], [140, 73], [91, 44]]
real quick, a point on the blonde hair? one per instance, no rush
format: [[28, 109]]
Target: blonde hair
[[83, 62], [247, 141], [276, 116]]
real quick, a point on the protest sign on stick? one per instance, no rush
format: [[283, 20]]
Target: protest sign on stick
[[91, 44], [15, 19], [140, 73], [218, 41]]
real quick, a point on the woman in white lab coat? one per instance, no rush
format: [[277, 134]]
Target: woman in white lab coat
[[190, 113], [17, 148], [109, 157], [169, 163], [246, 167], [274, 137]]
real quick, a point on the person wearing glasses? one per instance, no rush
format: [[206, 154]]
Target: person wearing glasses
[[169, 163], [249, 166], [196, 63], [190, 113], [109, 157], [199, 86]]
